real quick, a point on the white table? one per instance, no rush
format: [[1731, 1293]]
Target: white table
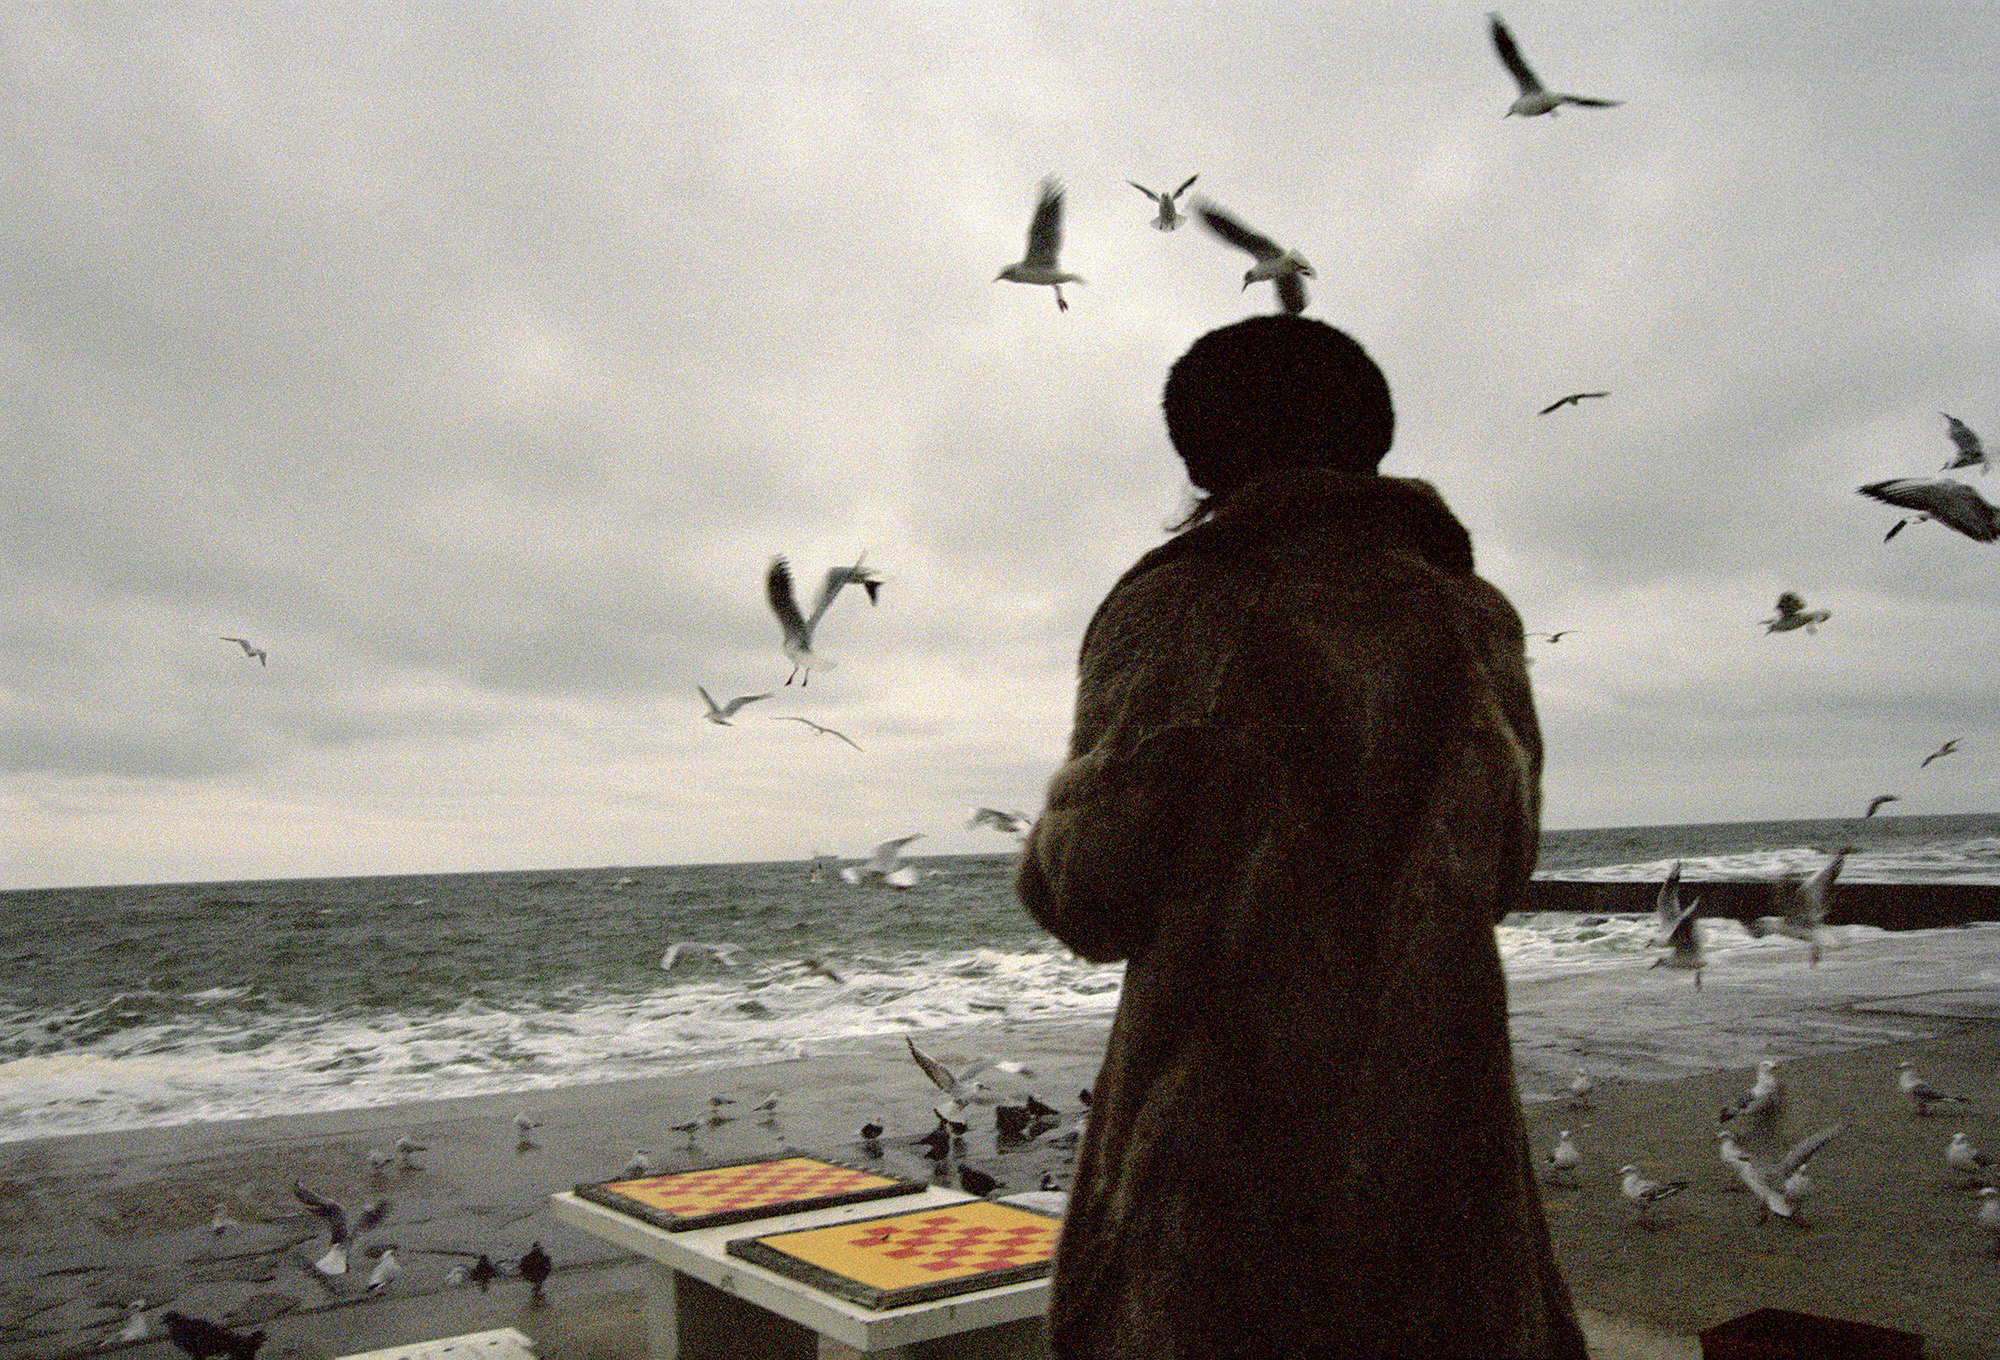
[[704, 1302]]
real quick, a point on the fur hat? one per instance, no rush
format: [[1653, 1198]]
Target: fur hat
[[1276, 391]]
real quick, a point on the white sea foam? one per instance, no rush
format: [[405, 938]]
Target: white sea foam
[[234, 1060], [1975, 861]]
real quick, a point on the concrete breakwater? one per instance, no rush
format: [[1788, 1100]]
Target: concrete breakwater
[[1892, 906]]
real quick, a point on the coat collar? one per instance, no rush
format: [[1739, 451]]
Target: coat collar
[[1287, 508]]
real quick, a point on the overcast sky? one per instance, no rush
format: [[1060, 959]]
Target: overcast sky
[[475, 359]]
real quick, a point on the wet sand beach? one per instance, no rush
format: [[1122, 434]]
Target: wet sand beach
[[89, 1223]]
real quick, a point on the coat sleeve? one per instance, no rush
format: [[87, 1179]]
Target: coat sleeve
[[1123, 829]]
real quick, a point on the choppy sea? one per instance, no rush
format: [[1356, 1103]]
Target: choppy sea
[[125, 1007]]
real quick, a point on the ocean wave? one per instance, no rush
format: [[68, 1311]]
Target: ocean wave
[[1974, 861]]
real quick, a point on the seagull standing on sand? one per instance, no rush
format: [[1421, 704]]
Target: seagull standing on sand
[[798, 628], [719, 714], [1969, 1161], [640, 1166], [1285, 268], [1533, 99], [1943, 750], [1950, 502], [1989, 1215], [823, 731], [1970, 452], [388, 1269], [1807, 912], [1580, 1087], [1573, 399], [1778, 1186], [258, 654], [1792, 613], [1169, 217], [343, 1231], [1564, 1159], [1922, 1094], [1044, 243], [1761, 1109], [1680, 930], [1645, 1193], [135, 1328]]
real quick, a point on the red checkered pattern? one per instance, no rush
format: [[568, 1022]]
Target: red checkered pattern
[[753, 1186], [941, 1243]]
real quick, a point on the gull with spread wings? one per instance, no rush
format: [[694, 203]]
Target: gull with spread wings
[[1284, 267], [1044, 243], [1170, 217], [1533, 99], [257, 654], [720, 714], [798, 628], [823, 731], [1948, 501]]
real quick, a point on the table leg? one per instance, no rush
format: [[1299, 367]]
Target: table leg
[[663, 1323]]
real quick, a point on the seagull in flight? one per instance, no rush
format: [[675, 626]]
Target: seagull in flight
[[1680, 930], [1044, 242], [724, 954], [1169, 217], [1879, 799], [1286, 268], [798, 628], [824, 731], [1556, 636], [1970, 452], [1943, 750], [1792, 613], [1011, 823], [1807, 912], [1533, 99], [1778, 1185], [1950, 502], [959, 1087], [720, 714], [257, 653], [1573, 399], [884, 860], [343, 1230]]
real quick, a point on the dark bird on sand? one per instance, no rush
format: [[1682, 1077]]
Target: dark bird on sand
[[1573, 399], [200, 1338], [484, 1272], [1285, 268], [977, 1182], [1533, 99], [535, 1268], [1951, 503]]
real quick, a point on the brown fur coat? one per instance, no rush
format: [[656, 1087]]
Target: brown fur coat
[[1302, 788]]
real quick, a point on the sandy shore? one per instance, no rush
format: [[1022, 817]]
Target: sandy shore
[[89, 1223]]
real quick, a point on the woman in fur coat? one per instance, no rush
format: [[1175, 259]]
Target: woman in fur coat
[[1303, 786]]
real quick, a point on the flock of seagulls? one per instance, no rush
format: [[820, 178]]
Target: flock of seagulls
[[1803, 919], [1040, 264], [1752, 1144]]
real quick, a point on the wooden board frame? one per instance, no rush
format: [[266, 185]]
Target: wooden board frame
[[762, 1251], [613, 1195]]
